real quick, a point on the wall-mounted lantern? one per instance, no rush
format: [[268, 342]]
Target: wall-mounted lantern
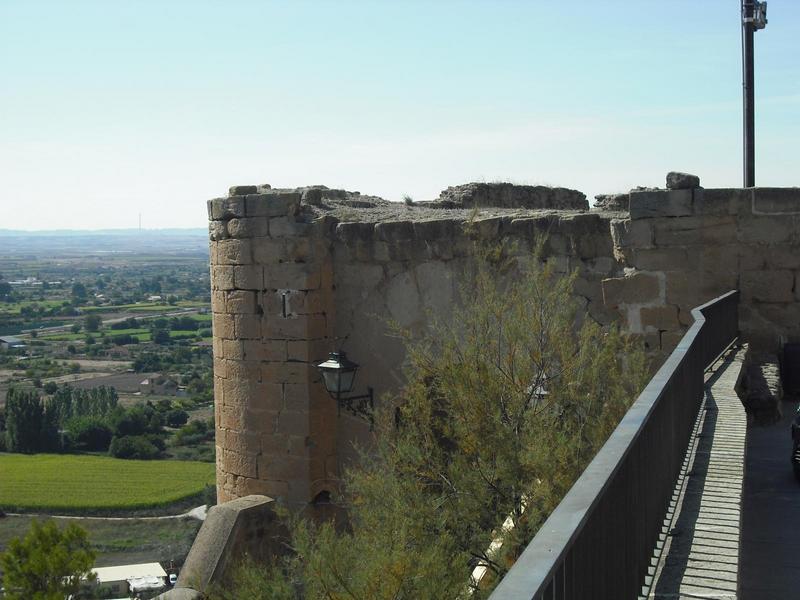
[[339, 374]]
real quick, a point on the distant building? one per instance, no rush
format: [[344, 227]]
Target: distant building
[[154, 298], [7, 342], [163, 386], [128, 580]]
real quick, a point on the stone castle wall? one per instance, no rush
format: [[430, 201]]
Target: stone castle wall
[[296, 274]]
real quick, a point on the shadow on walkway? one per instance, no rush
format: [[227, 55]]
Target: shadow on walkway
[[770, 554]]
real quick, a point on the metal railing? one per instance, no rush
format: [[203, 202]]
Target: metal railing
[[599, 540]]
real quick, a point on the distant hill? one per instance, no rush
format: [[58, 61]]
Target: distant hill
[[91, 232], [71, 242]]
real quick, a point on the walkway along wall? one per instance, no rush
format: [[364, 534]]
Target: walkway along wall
[[297, 273]]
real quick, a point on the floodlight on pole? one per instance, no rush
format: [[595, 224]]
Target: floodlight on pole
[[754, 17]]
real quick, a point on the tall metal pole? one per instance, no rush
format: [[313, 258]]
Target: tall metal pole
[[748, 29]]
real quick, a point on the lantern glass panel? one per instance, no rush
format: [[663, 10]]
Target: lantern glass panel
[[346, 380], [332, 380]]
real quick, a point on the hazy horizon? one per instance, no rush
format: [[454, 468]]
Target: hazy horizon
[[114, 110]]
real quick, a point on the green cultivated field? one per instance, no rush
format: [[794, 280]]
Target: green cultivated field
[[85, 482]]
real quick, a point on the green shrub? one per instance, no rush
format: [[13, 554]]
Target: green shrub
[[133, 447], [176, 418], [89, 433]]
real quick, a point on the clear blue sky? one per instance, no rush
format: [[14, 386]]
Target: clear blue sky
[[111, 108]]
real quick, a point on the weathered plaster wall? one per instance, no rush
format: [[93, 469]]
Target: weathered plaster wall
[[296, 274]]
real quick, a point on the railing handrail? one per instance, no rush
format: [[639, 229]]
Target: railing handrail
[[534, 571]]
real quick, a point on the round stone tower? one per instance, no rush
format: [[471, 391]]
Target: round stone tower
[[272, 303]]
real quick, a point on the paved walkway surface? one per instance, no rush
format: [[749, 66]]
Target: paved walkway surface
[[770, 566], [700, 555]]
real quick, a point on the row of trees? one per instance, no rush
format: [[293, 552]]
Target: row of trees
[[75, 420], [503, 408]]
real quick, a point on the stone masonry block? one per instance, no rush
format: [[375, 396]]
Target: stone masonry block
[[355, 232], [293, 328], [303, 250], [241, 302], [233, 349], [269, 251], [242, 442], [266, 399], [719, 201], [755, 256], [280, 227], [241, 190], [307, 350], [293, 423], [298, 395], [282, 467], [286, 372], [292, 276], [659, 259], [626, 233], [248, 277], [248, 227], [695, 231], [222, 278], [767, 286], [247, 327], [239, 464], [268, 350], [435, 229], [274, 443], [632, 289], [245, 486], [662, 318], [231, 417], [222, 326], [394, 231], [766, 230], [660, 203], [218, 301], [272, 204], [217, 230], [683, 289], [237, 394], [227, 208], [248, 370], [776, 201]]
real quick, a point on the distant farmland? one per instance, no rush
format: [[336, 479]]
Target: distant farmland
[[84, 482]]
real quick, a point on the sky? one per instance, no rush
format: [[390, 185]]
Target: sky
[[112, 109]]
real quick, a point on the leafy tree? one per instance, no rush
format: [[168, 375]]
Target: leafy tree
[[48, 563], [177, 417], [78, 292], [147, 361], [51, 387], [161, 336], [89, 433], [31, 426], [92, 322], [76, 327], [503, 408], [5, 289]]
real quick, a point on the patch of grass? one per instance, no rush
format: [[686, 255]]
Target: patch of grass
[[120, 542], [83, 482], [63, 337]]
